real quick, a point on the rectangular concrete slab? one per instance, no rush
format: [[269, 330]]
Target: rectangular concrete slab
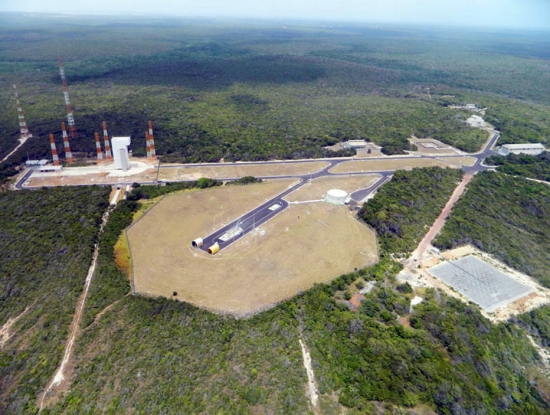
[[480, 282]]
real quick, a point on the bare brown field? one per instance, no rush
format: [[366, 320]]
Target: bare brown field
[[303, 245], [315, 189], [384, 165], [237, 170], [461, 161]]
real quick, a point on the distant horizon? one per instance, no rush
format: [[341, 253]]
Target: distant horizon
[[505, 14], [283, 20]]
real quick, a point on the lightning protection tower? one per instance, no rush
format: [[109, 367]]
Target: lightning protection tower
[[55, 157], [108, 154], [70, 117], [22, 123], [98, 149], [152, 155], [68, 153]]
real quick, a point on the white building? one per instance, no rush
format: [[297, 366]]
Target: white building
[[530, 149], [355, 144], [120, 152]]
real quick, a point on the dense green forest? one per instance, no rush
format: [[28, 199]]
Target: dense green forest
[[403, 209], [143, 355], [536, 167], [169, 356], [46, 240], [508, 217], [217, 89]]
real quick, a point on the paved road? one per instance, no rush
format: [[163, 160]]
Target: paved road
[[262, 213], [251, 220]]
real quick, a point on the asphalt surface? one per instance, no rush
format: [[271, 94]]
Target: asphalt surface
[[262, 214]]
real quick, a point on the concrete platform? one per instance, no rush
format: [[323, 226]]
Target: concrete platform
[[480, 282]]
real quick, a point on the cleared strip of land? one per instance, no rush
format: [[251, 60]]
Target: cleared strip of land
[[240, 170], [461, 161], [388, 165]]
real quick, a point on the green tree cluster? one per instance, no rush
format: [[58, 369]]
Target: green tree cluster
[[402, 209]]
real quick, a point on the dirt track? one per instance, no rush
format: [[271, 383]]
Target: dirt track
[[60, 374], [440, 221]]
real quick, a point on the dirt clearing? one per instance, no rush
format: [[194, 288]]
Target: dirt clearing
[[302, 245], [387, 165], [237, 170]]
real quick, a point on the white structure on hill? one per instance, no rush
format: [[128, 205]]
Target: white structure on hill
[[120, 152], [530, 149]]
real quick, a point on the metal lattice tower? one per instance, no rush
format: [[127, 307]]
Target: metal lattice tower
[[68, 153], [22, 123], [108, 154], [70, 117], [98, 149], [55, 157], [152, 152]]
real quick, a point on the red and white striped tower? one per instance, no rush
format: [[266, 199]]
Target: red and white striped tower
[[152, 152], [70, 117], [98, 149], [108, 154], [54, 151], [22, 123], [147, 144], [68, 153]]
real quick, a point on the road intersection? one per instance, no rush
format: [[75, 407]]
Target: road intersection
[[258, 216]]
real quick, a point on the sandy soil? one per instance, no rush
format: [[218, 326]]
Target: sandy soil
[[5, 330], [303, 245], [383, 165], [440, 221], [315, 189], [420, 277], [238, 170]]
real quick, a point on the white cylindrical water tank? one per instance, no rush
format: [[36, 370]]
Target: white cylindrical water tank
[[337, 197]]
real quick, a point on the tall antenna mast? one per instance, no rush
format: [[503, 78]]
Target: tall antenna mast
[[22, 123], [70, 117], [54, 151], [68, 153], [152, 153], [108, 154], [98, 149]]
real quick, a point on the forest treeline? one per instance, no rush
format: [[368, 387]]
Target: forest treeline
[[535, 167]]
